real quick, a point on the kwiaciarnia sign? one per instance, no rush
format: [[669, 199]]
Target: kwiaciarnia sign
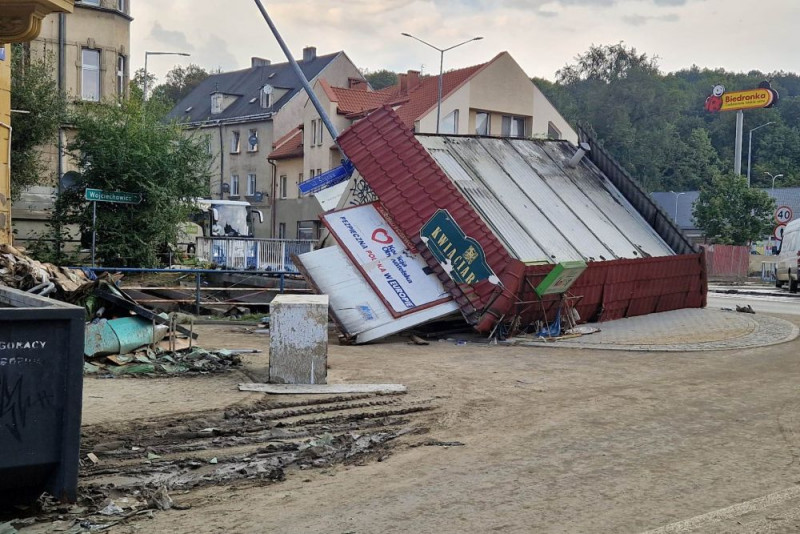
[[461, 257], [763, 97]]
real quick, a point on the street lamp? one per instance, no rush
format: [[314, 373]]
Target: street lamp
[[774, 177], [676, 204], [146, 54], [441, 71], [750, 148]]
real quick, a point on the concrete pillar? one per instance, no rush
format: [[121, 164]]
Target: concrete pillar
[[298, 339]]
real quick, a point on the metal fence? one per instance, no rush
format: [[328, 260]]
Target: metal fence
[[251, 253]]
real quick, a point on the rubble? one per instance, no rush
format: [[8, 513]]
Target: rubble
[[26, 274], [152, 362]]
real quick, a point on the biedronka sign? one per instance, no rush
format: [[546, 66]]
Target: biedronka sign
[[763, 97]]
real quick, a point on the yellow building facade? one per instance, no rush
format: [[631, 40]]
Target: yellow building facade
[[20, 21]]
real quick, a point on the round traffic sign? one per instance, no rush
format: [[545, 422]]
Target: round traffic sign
[[783, 215], [778, 232]]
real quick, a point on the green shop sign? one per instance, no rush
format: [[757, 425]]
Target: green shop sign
[[462, 258]]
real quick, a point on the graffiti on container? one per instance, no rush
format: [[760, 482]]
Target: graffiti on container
[[16, 402], [361, 193]]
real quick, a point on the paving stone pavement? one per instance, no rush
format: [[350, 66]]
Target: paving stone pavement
[[683, 331]]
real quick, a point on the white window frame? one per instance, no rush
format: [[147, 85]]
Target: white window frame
[[320, 125], [91, 2], [234, 185], [235, 142], [121, 6], [552, 131], [488, 123], [509, 121], [121, 64], [443, 122], [284, 186], [304, 227], [251, 184], [216, 103], [90, 70], [251, 133], [265, 99]]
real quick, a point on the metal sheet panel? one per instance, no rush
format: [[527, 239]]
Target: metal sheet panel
[[610, 202], [356, 306], [532, 237], [492, 210], [581, 205]]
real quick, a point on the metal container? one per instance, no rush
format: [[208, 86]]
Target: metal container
[[41, 382]]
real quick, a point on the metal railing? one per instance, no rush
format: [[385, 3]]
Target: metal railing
[[198, 284], [252, 253]]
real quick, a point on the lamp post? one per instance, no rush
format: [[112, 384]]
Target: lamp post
[[774, 177], [441, 69], [146, 55], [750, 148], [675, 218]]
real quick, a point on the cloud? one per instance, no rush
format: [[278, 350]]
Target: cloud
[[641, 20], [171, 38]]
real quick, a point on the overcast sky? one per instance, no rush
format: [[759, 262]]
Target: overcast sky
[[542, 35]]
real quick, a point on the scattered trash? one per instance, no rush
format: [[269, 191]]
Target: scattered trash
[[93, 458], [745, 309], [160, 499], [416, 340], [111, 509], [24, 273], [213, 460]]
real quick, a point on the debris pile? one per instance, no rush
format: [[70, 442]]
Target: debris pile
[[158, 361], [26, 274]]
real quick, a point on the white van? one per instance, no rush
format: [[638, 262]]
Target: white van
[[788, 259]]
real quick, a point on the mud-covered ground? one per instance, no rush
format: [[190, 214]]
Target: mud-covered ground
[[488, 439]]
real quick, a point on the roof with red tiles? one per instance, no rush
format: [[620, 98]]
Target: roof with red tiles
[[288, 146], [357, 101]]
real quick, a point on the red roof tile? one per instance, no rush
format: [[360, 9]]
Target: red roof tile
[[357, 101], [288, 146]]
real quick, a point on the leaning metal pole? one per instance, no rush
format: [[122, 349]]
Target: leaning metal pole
[[307, 86], [737, 162]]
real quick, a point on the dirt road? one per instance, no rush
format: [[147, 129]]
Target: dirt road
[[556, 440]]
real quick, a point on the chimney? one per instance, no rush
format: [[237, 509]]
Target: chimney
[[309, 54], [403, 78], [413, 79], [259, 62], [357, 83]]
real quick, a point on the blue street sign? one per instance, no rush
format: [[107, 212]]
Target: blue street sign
[[327, 178]]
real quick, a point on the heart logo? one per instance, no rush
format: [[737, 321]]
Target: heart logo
[[382, 236]]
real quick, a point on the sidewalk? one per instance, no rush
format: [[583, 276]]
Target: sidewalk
[[683, 331]]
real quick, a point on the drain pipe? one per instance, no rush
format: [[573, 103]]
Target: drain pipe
[[272, 215], [221, 161], [302, 77], [62, 69]]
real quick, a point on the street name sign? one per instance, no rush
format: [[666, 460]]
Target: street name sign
[[119, 197]]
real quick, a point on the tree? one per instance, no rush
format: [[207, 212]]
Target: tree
[[729, 212], [607, 64], [36, 94], [180, 82], [381, 78], [126, 147]]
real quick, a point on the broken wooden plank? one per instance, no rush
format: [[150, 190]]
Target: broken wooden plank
[[316, 389]]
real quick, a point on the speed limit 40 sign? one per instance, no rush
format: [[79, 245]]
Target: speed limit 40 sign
[[783, 215]]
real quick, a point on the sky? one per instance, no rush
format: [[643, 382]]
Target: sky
[[542, 35]]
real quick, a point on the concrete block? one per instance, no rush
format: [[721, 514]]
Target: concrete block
[[298, 339]]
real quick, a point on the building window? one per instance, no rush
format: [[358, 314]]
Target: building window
[[449, 124], [281, 230], [90, 75], [552, 131], [513, 126], [234, 185], [251, 185], [284, 186], [319, 171], [266, 97], [482, 123], [216, 103], [121, 6], [121, 75], [311, 174], [319, 135], [91, 2], [308, 230], [252, 140], [235, 142]]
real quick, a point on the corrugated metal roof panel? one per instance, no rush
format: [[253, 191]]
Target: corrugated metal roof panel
[[571, 188], [610, 203]]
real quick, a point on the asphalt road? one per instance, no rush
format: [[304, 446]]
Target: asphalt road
[[778, 305]]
